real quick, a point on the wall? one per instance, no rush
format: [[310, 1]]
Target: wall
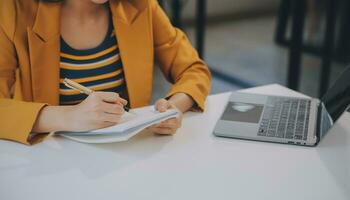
[[227, 8]]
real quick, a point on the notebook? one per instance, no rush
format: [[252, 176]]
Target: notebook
[[130, 125]]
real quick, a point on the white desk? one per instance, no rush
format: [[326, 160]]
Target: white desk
[[193, 164]]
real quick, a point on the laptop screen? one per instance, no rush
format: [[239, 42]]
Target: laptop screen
[[337, 98]]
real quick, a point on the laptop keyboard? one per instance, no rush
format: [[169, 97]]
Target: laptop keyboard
[[285, 118]]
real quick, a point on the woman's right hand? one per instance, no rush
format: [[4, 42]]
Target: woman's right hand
[[98, 110]]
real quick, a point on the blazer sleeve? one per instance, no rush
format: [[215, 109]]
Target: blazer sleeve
[[16, 117], [179, 61]]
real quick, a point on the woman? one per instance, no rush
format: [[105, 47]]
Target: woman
[[108, 46]]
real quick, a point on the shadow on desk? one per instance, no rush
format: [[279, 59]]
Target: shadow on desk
[[333, 153], [59, 155]]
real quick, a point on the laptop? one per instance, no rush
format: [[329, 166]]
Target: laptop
[[289, 120]]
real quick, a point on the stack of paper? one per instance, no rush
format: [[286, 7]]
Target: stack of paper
[[131, 124]]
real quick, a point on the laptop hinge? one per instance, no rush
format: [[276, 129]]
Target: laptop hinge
[[318, 124], [324, 122]]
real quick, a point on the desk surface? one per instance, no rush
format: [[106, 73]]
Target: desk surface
[[193, 164]]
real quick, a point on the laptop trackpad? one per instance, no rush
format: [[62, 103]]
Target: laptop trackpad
[[243, 112], [239, 120]]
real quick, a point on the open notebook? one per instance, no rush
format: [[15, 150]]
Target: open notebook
[[130, 125]]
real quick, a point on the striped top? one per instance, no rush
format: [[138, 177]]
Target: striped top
[[99, 69]]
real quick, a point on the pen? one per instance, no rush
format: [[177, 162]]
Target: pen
[[76, 86]]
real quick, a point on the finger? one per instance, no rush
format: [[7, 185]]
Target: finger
[[111, 97], [164, 131], [122, 101], [154, 126], [176, 120], [112, 108], [107, 117], [162, 105], [172, 123], [106, 124], [167, 125]]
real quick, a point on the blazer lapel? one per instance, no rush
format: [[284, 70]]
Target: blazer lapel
[[44, 50], [133, 33]]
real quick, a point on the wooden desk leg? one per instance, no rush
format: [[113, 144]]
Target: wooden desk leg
[[328, 45], [201, 26], [295, 52]]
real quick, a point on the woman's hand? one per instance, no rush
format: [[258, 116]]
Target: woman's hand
[[98, 110], [169, 126]]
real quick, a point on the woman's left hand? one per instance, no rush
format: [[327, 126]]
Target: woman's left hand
[[170, 126]]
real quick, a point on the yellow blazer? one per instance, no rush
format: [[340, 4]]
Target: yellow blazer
[[30, 57]]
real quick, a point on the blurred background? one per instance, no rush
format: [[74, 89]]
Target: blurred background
[[301, 44]]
